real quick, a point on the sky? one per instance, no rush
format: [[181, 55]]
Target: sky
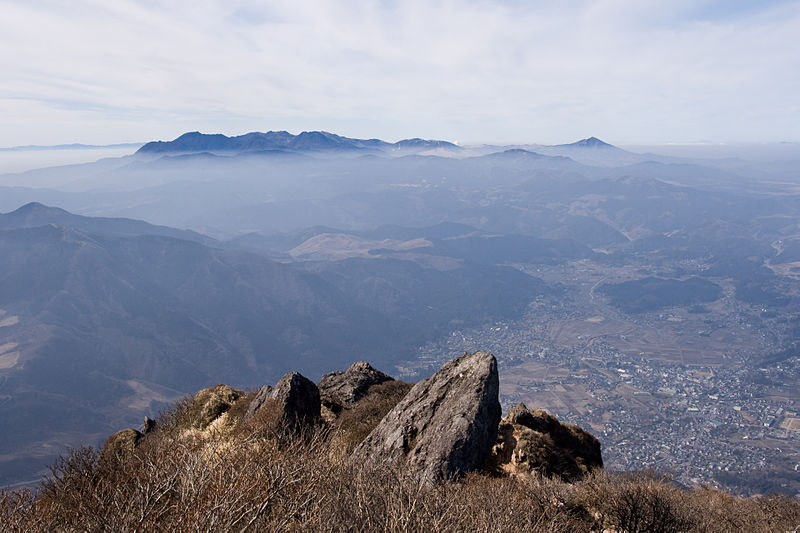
[[514, 71]]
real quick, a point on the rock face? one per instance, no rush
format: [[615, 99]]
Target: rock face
[[339, 390], [352, 425], [258, 402], [535, 441], [445, 425], [295, 400], [209, 404]]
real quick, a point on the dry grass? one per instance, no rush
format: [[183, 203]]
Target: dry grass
[[257, 477]]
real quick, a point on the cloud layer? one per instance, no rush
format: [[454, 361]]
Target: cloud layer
[[629, 71]]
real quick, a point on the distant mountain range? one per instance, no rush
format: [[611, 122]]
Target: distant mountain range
[[307, 141], [592, 150]]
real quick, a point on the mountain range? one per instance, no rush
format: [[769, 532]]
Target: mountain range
[[307, 141], [278, 182]]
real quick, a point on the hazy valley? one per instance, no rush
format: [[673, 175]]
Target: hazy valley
[[653, 299]]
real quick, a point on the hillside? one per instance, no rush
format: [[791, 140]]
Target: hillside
[[100, 318], [306, 457]]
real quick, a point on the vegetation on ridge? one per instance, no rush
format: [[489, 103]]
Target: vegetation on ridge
[[257, 476]]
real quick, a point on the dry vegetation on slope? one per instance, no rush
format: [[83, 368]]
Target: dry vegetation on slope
[[259, 476]]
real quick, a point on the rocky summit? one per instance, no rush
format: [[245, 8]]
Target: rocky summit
[[444, 426], [295, 400], [391, 459], [433, 432], [340, 390]]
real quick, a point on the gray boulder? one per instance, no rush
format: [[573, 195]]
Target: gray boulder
[[445, 425], [339, 390], [294, 401]]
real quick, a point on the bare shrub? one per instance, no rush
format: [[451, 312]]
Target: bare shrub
[[359, 499], [645, 502], [186, 485], [262, 477], [714, 510], [15, 510]]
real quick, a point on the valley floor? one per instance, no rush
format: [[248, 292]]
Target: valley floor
[[672, 390]]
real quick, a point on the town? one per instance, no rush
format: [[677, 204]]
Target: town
[[714, 416]]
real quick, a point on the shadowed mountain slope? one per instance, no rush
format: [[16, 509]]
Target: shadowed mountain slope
[[99, 324]]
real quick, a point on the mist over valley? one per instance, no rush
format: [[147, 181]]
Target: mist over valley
[[650, 298]]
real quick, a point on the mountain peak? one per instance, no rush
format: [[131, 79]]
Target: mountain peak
[[36, 208], [416, 142], [591, 142]]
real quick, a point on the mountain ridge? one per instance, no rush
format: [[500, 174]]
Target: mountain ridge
[[311, 141], [307, 141], [35, 214], [102, 314], [591, 142]]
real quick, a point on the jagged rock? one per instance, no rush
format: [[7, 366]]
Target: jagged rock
[[339, 390], [295, 400], [445, 425], [120, 445], [258, 402], [535, 441], [353, 424], [209, 404], [148, 425]]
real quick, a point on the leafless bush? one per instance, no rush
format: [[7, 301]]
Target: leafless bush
[[646, 501], [713, 510], [183, 485], [261, 478], [15, 509], [357, 499]]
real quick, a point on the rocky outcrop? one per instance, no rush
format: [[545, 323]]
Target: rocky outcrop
[[120, 445], [297, 399], [208, 405], [258, 402], [341, 390], [293, 401], [148, 425], [534, 441], [445, 425], [353, 424], [433, 431]]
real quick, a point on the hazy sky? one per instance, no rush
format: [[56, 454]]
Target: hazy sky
[[627, 71]]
